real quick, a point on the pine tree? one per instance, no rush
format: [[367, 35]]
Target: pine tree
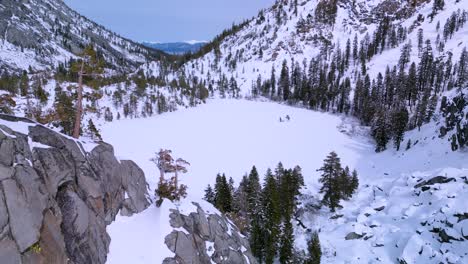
[[411, 85], [315, 250], [354, 181], [253, 191], [24, 84], [284, 85], [380, 132], [240, 201], [89, 66], [286, 249], [223, 198], [273, 82], [331, 171], [345, 184], [65, 111], [209, 194], [420, 41], [463, 69], [271, 205], [93, 131], [257, 235], [399, 123]]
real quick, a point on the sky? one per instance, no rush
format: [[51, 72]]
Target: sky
[[168, 20]]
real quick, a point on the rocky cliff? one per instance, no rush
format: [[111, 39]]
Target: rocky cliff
[[205, 236], [57, 195]]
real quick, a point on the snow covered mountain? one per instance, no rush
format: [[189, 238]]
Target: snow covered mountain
[[381, 61], [382, 83], [301, 30], [176, 48], [40, 34]]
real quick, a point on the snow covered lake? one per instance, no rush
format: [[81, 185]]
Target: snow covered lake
[[230, 136]]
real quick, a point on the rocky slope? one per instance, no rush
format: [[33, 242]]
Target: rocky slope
[[204, 237], [40, 34], [57, 195]]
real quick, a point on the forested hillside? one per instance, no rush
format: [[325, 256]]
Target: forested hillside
[[389, 63]]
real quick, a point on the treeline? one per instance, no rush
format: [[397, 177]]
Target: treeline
[[403, 97], [267, 211]]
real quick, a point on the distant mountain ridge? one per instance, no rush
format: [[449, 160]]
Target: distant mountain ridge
[[176, 48]]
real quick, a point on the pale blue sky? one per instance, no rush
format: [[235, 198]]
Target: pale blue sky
[[168, 20]]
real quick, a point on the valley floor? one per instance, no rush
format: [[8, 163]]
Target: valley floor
[[230, 136]]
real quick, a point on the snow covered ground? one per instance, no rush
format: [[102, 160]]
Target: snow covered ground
[[230, 136]]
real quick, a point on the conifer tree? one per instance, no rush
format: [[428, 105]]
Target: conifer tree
[[24, 84], [257, 235], [271, 205], [253, 192], [273, 82], [209, 194], [399, 121], [314, 250], [286, 250], [354, 181], [380, 132], [223, 198], [89, 66], [240, 201], [284, 82], [331, 171]]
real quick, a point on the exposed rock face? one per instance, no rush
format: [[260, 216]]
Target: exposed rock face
[[56, 199], [206, 238]]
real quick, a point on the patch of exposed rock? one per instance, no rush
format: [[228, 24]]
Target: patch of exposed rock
[[202, 237], [56, 199]]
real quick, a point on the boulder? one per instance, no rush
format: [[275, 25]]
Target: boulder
[[25, 202], [7, 151], [435, 180], [109, 172], [203, 229], [353, 236], [136, 188]]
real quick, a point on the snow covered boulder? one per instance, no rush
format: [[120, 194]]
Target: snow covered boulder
[[57, 195]]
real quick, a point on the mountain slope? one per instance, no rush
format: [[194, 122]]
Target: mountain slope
[[381, 61], [299, 33], [40, 34]]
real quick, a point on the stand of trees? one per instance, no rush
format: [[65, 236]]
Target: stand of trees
[[266, 210]]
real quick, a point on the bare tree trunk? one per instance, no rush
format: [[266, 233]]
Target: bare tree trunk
[[79, 104]]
